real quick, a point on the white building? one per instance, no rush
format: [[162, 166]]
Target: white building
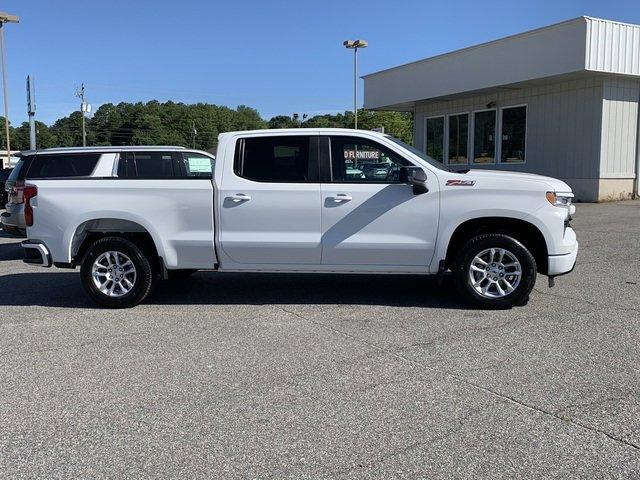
[[560, 100]]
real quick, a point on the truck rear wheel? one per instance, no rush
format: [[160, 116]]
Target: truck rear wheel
[[116, 273], [495, 271]]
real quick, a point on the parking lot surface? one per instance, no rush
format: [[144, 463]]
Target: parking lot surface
[[293, 376]]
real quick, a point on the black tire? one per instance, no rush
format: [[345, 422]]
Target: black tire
[[143, 277], [462, 266]]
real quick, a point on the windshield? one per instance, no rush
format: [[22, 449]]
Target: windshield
[[419, 153]]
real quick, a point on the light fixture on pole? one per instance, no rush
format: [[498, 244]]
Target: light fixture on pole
[[6, 18], [355, 45]]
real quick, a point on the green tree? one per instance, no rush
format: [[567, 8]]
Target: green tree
[[398, 124], [171, 123]]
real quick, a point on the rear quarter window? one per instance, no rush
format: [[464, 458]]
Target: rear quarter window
[[197, 165], [63, 165]]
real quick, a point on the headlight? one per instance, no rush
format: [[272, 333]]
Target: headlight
[[559, 199]]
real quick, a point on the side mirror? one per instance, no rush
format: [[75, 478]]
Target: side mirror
[[417, 177]]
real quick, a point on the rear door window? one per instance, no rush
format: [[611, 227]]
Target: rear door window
[[62, 165], [276, 159]]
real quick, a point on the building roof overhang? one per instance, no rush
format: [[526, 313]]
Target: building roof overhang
[[571, 49]]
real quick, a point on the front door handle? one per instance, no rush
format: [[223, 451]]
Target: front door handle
[[240, 197], [341, 197]]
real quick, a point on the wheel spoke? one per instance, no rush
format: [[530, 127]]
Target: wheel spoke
[[508, 285], [114, 274], [495, 272]]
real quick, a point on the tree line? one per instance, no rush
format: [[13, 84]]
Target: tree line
[[171, 123]]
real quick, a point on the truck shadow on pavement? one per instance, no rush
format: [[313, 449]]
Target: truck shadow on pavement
[[10, 251], [56, 288], [61, 288]]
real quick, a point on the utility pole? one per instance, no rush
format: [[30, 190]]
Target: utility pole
[[194, 132], [84, 109], [355, 45], [6, 18], [31, 111]]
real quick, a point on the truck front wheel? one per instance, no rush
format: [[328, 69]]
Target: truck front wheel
[[495, 271], [116, 273]]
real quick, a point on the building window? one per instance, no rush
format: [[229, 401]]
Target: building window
[[458, 137], [434, 136], [484, 136], [514, 127]]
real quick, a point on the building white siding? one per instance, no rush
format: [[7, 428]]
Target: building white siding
[[579, 80], [563, 129], [619, 127], [612, 47]]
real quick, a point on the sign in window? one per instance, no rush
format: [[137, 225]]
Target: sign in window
[[198, 165]]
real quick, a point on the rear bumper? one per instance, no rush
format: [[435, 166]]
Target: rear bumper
[[36, 253], [561, 264]]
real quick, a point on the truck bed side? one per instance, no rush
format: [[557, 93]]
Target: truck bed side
[[177, 214]]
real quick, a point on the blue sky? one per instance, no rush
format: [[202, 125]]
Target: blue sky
[[277, 56]]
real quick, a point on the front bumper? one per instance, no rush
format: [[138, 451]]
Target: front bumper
[[561, 264], [36, 253]]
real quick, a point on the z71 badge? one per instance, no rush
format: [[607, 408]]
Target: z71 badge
[[461, 183]]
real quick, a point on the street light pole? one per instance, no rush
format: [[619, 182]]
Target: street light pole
[[6, 18], [83, 110], [354, 45]]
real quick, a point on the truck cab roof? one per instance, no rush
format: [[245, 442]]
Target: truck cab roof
[[308, 131]]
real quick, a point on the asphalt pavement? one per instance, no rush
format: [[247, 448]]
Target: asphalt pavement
[[319, 376]]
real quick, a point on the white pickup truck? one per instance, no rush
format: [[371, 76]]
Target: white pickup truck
[[295, 200]]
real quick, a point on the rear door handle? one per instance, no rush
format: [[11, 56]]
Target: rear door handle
[[341, 197], [240, 197]]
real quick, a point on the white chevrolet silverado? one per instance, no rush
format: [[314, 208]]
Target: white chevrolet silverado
[[296, 200]]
